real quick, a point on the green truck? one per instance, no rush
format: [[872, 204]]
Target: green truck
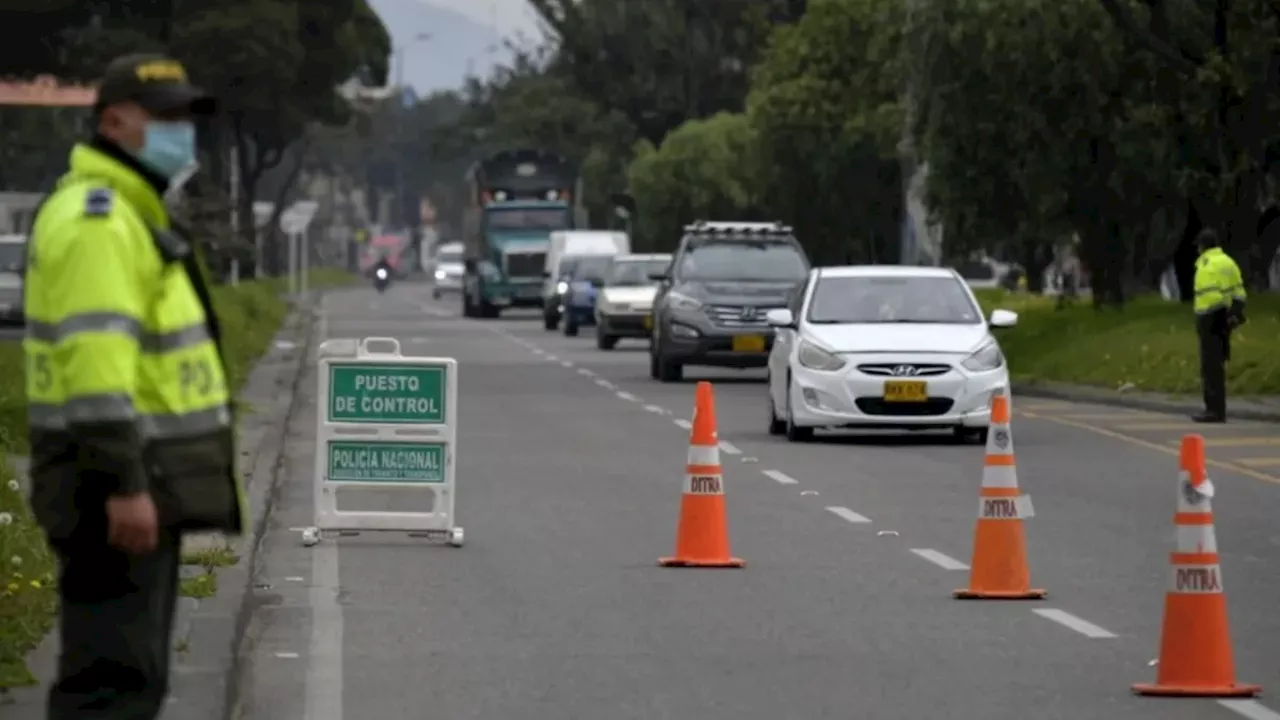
[[516, 199]]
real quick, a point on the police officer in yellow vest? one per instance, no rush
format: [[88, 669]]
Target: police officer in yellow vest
[[1219, 308], [131, 426]]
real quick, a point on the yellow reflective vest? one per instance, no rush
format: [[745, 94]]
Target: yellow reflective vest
[[1217, 282], [126, 386]]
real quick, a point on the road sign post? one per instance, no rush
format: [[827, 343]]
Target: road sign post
[[385, 421]]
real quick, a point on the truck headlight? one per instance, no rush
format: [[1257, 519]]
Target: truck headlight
[[984, 359], [680, 301], [815, 358]]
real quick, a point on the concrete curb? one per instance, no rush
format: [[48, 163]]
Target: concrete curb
[[1138, 401], [212, 630]]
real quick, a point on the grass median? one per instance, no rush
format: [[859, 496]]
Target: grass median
[[251, 314], [1150, 344]]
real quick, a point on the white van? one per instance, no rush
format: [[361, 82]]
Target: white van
[[567, 246]]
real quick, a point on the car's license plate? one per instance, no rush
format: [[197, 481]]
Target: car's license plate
[[648, 322], [906, 391], [748, 343]]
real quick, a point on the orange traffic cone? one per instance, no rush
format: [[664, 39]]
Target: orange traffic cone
[[702, 537], [1195, 642], [999, 568]]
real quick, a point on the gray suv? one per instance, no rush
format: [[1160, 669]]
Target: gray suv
[[712, 301]]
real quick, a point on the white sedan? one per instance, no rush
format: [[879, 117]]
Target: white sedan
[[884, 347]]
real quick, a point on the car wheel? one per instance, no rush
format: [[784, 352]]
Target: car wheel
[[971, 436], [435, 294], [653, 361], [570, 325], [468, 310], [550, 320], [794, 433], [669, 371], [603, 341], [776, 425]]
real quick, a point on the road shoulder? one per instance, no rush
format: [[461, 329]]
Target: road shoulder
[[1263, 409]]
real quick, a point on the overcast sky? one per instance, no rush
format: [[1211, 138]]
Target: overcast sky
[[512, 16]]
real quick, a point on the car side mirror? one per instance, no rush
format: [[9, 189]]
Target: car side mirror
[[780, 318], [1003, 319]]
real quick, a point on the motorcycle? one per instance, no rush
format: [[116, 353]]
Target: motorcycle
[[381, 278]]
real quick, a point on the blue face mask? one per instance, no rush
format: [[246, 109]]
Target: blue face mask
[[169, 147]]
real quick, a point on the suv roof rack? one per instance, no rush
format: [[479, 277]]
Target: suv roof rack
[[704, 227]]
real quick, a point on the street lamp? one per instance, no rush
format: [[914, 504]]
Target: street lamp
[[401, 191]]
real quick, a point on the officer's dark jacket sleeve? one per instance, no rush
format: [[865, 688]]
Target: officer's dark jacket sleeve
[[98, 347]]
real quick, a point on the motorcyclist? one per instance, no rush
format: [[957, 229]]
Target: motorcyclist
[[381, 269]]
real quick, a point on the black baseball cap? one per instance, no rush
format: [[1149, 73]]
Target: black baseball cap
[[156, 82]]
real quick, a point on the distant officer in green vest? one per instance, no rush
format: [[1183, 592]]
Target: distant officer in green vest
[[1219, 308], [130, 419]]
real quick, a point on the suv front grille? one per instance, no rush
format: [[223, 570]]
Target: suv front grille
[[524, 264], [916, 369], [732, 316]]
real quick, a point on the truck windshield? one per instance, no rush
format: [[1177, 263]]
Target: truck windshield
[[589, 267], [527, 219]]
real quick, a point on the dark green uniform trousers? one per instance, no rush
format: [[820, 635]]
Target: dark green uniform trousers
[[116, 627]]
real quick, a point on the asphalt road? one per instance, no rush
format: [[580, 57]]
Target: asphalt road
[[569, 482]]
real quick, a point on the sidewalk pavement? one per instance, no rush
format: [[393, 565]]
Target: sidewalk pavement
[[1265, 408], [208, 632]]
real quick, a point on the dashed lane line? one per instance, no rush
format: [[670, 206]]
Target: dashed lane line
[[1080, 625], [683, 423], [624, 395], [729, 448], [566, 363], [848, 515], [585, 372], [656, 410], [780, 477], [946, 562], [1251, 709]]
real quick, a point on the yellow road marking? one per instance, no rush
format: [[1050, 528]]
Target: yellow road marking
[[1259, 462], [1241, 469], [1186, 426]]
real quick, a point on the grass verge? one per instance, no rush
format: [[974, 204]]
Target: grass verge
[[1150, 344], [251, 314]]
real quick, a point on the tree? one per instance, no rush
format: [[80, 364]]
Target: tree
[[1224, 63], [825, 103], [702, 171]]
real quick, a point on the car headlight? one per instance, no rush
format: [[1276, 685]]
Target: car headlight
[[680, 301], [815, 358], [440, 274], [986, 358], [562, 287]]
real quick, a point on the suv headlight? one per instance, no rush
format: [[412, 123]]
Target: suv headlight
[[815, 358], [562, 287], [986, 358], [680, 301]]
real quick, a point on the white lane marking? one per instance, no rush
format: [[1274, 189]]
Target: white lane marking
[[295, 578], [624, 395], [729, 448], [655, 409], [552, 358], [324, 657], [781, 477], [1251, 709], [566, 363], [585, 372], [847, 514], [537, 351], [1066, 619], [946, 562], [287, 655], [604, 383], [683, 423]]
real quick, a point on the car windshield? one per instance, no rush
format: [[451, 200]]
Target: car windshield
[[13, 256], [527, 219], [743, 262], [588, 267], [449, 256], [838, 300], [635, 273]]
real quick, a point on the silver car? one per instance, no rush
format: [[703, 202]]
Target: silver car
[[13, 258], [447, 269]]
